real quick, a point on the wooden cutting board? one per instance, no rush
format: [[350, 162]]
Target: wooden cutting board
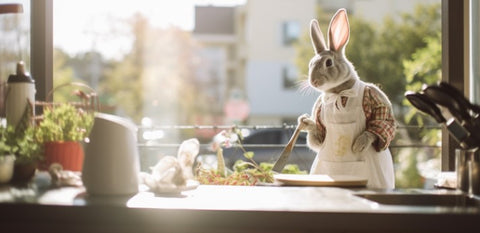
[[320, 180]]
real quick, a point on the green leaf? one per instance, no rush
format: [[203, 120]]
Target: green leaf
[[266, 166], [249, 154], [241, 165]]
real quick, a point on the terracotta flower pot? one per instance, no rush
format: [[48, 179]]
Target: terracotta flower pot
[[68, 154]]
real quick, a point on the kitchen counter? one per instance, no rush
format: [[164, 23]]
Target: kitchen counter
[[40, 207]]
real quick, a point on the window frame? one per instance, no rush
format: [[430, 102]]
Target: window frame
[[454, 55], [41, 47], [454, 63]]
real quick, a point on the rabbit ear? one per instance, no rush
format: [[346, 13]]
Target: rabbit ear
[[318, 41], [339, 31]]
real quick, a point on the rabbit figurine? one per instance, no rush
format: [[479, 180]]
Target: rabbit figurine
[[352, 122]]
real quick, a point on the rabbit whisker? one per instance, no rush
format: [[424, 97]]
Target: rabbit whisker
[[304, 87]]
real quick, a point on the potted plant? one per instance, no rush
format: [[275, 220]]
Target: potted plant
[[28, 154], [7, 155], [61, 131], [20, 142]]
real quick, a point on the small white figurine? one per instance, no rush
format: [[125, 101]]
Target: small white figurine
[[187, 153], [172, 174], [352, 122]]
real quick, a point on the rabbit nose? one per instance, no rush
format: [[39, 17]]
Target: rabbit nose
[[315, 82]]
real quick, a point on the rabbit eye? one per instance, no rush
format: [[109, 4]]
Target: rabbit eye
[[329, 62]]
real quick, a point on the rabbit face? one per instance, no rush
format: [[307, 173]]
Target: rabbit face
[[328, 70], [329, 67]]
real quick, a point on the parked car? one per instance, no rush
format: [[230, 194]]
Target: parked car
[[268, 144]]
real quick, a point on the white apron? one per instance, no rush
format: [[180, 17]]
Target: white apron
[[343, 125]]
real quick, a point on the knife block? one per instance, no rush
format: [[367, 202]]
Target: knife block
[[467, 163]]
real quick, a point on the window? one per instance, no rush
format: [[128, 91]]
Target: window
[[177, 112], [290, 77], [291, 31]]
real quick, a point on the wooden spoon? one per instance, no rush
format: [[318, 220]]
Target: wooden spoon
[[282, 160]]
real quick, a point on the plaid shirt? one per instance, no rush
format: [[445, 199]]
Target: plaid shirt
[[379, 117]]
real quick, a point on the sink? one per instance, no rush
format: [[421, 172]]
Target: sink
[[425, 199]]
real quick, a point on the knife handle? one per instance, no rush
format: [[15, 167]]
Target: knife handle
[[282, 160]]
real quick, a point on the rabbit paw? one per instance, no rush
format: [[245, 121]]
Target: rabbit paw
[[364, 140], [306, 123]]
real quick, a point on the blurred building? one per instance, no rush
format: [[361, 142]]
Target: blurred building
[[249, 52], [218, 72], [271, 78], [250, 56]]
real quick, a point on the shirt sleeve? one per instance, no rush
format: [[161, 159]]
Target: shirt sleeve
[[320, 127], [379, 115]]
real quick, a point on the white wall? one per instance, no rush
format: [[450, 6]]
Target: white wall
[[265, 88]]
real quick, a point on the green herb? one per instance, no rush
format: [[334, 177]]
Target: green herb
[[29, 149], [20, 140], [244, 172], [64, 123], [7, 147]]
